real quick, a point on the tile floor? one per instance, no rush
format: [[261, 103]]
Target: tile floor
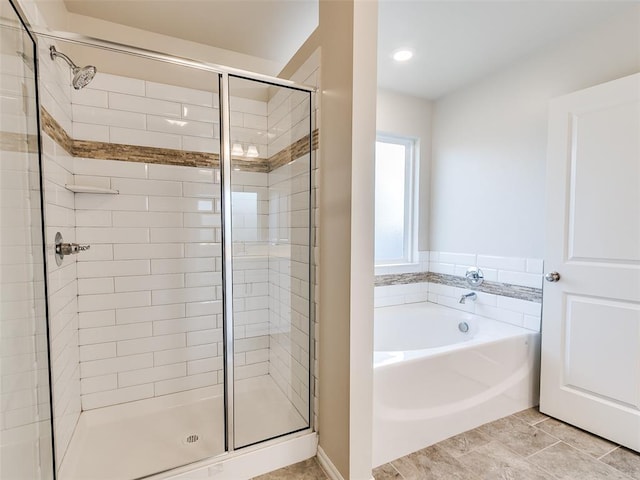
[[524, 446]]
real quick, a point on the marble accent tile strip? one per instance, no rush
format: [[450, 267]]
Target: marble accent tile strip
[[496, 288], [401, 278], [294, 151], [134, 153], [166, 156], [58, 134], [18, 142], [129, 153]]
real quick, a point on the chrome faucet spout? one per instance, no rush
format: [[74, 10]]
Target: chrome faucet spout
[[468, 296]]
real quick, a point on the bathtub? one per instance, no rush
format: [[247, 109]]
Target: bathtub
[[439, 372]]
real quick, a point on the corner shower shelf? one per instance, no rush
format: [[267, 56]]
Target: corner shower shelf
[[90, 189]]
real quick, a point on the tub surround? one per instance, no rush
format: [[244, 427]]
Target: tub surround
[[385, 280], [511, 291], [496, 288], [519, 292]]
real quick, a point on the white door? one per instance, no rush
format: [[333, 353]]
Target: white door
[[591, 316]]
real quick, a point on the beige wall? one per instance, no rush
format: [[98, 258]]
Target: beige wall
[[348, 32], [307, 49]]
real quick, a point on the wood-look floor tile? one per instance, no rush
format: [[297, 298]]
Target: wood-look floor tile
[[494, 461], [531, 416], [464, 443], [432, 463], [585, 441], [567, 463], [386, 472], [518, 435], [306, 470], [625, 460]]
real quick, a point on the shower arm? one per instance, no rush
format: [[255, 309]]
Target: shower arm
[[53, 53]]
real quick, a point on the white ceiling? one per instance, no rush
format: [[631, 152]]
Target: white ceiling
[[455, 42], [459, 42]]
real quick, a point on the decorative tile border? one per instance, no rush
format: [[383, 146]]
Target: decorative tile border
[[495, 288], [51, 127], [293, 151], [167, 156], [401, 278], [520, 292], [18, 142], [135, 153]]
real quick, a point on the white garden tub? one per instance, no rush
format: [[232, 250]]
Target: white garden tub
[[439, 372]]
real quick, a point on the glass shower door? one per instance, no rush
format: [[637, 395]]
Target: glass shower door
[[270, 143], [25, 428], [131, 168]]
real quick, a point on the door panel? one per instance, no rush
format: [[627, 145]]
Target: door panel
[[603, 375], [591, 317], [604, 178]]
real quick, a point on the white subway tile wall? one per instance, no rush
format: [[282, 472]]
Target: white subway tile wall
[[143, 316], [289, 282], [129, 111], [515, 271], [55, 95], [250, 217], [400, 294], [149, 289], [309, 74], [24, 392]]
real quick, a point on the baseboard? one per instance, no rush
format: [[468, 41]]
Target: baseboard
[[328, 465]]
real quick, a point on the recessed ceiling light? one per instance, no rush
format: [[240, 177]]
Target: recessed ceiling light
[[402, 55]]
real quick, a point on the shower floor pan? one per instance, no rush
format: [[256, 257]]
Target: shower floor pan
[[141, 438]]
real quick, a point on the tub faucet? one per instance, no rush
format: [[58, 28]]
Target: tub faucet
[[471, 296]]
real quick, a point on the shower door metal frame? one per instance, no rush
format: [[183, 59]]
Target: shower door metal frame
[[227, 260], [223, 74]]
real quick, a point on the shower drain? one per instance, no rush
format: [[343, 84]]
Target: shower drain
[[193, 438]]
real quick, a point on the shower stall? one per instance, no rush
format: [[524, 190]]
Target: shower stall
[[155, 253]]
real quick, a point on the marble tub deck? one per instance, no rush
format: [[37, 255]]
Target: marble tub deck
[[524, 446]]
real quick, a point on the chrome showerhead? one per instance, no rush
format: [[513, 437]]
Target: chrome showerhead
[[81, 75]]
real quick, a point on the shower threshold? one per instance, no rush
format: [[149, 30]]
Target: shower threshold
[[140, 438]]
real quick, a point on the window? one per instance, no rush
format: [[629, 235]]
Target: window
[[396, 172]]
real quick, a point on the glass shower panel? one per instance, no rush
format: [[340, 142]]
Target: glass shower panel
[[270, 176], [25, 428], [132, 169]]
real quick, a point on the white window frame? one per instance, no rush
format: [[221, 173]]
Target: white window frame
[[410, 246]]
